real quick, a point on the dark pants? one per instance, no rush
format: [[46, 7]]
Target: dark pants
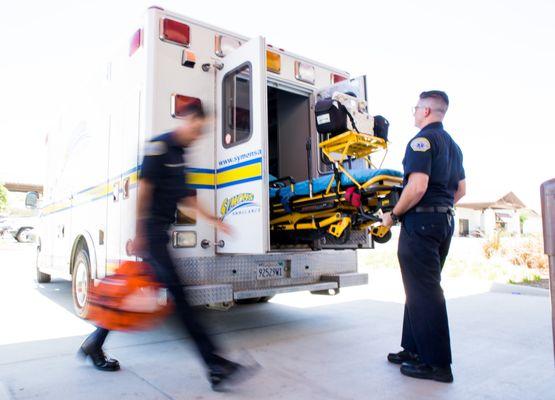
[[423, 247], [159, 259]]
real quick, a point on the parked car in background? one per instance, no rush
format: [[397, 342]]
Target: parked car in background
[[20, 228]]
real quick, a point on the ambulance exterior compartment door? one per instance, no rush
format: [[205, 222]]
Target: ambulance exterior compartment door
[[241, 150]]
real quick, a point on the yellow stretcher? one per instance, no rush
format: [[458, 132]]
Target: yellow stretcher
[[337, 203]]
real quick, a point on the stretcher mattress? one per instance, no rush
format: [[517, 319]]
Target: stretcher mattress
[[320, 184]]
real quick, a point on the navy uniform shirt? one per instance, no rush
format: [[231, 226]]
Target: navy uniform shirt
[[164, 167], [433, 152]]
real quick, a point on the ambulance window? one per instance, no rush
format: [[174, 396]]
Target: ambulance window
[[237, 116]]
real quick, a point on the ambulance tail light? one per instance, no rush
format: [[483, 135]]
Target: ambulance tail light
[[336, 78], [224, 45], [305, 72], [135, 42], [273, 62], [181, 239], [180, 103], [175, 32]]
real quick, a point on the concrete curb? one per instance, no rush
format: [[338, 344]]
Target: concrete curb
[[518, 289]]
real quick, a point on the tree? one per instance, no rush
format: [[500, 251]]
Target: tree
[[3, 198]]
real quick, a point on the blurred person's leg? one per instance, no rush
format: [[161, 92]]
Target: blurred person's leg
[[222, 373], [166, 273]]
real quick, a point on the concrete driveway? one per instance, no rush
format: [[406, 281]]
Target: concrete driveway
[[310, 347]]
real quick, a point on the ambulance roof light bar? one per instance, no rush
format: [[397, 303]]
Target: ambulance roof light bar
[[176, 32]]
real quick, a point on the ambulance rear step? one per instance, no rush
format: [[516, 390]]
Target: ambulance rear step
[[223, 293]]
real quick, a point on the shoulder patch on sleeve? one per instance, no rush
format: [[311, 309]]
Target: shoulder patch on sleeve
[[420, 144], [155, 148]]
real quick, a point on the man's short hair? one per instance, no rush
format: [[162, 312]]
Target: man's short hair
[[436, 95]]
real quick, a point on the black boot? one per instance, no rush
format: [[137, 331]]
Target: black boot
[[92, 347], [226, 374], [402, 356], [425, 371]]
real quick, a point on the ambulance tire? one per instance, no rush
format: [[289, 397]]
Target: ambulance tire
[[265, 299], [243, 302], [81, 281]]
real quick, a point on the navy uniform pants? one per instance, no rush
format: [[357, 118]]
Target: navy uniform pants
[[423, 247], [159, 259]]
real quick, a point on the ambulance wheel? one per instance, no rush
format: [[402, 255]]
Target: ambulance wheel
[[243, 302], [384, 239], [265, 299], [81, 281]]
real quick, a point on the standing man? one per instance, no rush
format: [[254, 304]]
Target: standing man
[[161, 190], [434, 181]]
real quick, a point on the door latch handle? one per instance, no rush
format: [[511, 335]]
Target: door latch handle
[[205, 243]]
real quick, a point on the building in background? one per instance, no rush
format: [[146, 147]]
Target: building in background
[[483, 217]]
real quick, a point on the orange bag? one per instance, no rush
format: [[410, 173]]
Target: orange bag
[[129, 300]]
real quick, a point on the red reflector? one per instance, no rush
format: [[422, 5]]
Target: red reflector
[[337, 78], [180, 104], [135, 42], [175, 32]]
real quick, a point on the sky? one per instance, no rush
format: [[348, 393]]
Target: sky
[[495, 59]]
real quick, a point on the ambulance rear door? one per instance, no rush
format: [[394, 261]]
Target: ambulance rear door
[[241, 150]]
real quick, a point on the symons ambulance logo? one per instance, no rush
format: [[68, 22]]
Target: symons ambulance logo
[[242, 203]]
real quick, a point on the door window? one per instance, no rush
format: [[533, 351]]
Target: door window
[[237, 115]]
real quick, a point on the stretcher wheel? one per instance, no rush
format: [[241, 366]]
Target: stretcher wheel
[[384, 239]]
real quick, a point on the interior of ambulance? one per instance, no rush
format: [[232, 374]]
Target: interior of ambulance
[[335, 200]]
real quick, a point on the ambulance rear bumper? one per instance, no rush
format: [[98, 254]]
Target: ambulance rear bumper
[[224, 293]]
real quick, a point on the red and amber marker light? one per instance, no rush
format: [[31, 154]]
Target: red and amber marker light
[[135, 42], [180, 103], [335, 78], [175, 32]]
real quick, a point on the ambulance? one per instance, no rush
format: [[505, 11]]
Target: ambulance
[[260, 99]]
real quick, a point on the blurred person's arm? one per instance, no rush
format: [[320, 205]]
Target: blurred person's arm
[[192, 203], [461, 191]]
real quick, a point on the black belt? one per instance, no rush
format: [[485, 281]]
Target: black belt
[[435, 209]]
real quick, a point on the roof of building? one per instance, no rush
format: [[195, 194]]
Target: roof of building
[[507, 202], [23, 187]]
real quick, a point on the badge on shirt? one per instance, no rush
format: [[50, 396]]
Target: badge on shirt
[[420, 144], [155, 148]]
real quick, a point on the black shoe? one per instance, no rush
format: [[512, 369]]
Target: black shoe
[[402, 356], [99, 359], [227, 375], [425, 371]]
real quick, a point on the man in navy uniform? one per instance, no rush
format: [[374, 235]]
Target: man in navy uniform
[[161, 190], [434, 180]]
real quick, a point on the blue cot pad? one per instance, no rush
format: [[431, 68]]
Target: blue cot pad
[[320, 184]]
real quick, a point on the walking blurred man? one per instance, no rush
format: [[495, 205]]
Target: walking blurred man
[[434, 180], [161, 190]]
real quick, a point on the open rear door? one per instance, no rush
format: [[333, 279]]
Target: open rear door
[[241, 150]]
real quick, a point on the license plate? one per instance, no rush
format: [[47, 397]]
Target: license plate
[[270, 271]]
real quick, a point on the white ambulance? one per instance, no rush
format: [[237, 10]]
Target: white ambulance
[[261, 99]]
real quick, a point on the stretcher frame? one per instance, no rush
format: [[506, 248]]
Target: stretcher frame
[[338, 217]]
